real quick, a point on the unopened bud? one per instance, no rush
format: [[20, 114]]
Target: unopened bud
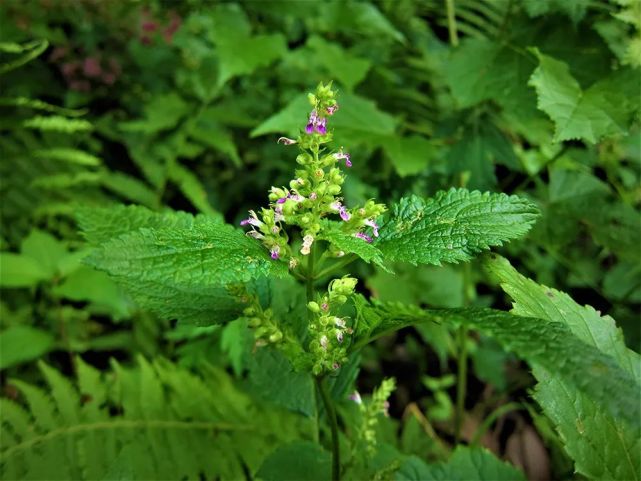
[[313, 306]]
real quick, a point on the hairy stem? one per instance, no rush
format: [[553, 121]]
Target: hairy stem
[[461, 380], [451, 22], [333, 423], [309, 281]]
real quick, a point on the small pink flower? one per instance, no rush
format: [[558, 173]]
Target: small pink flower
[[91, 67], [324, 342], [286, 141], [331, 110], [343, 155], [365, 237], [275, 252], [373, 225]]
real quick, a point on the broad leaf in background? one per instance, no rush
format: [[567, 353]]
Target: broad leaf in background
[[297, 461], [357, 120], [465, 464], [605, 108], [273, 379], [346, 68], [20, 344], [602, 446], [409, 155], [546, 344], [453, 226]]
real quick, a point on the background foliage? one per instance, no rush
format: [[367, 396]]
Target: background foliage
[[176, 106]]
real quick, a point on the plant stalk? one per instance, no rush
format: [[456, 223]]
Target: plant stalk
[[461, 378], [333, 423], [451, 22]]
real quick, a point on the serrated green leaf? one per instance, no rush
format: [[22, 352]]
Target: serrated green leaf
[[545, 344], [603, 446], [182, 273], [465, 464], [603, 109], [352, 245], [453, 226], [100, 224]]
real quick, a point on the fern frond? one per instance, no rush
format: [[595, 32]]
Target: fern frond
[[154, 421], [28, 52]]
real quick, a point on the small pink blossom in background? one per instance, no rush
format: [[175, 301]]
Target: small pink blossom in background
[[91, 67]]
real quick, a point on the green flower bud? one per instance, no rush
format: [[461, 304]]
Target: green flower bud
[[255, 322], [319, 173], [304, 158], [334, 189], [313, 306], [277, 336]]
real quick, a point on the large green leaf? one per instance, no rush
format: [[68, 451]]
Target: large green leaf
[[542, 343], [182, 271], [603, 446], [605, 108], [465, 464], [453, 226]]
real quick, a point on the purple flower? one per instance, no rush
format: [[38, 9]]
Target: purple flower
[[365, 237], [286, 141], [335, 366], [343, 155], [316, 123], [281, 200], [253, 220], [373, 225], [275, 252], [343, 213]]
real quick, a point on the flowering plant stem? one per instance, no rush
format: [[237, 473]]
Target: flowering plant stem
[[333, 423], [320, 380]]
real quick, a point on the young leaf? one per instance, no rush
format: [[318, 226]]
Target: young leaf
[[603, 109], [602, 445], [453, 226], [464, 464], [353, 245], [542, 343]]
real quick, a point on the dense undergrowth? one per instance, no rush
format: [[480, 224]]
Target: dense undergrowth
[[370, 326]]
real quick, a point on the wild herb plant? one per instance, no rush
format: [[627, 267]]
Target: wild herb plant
[[199, 350]]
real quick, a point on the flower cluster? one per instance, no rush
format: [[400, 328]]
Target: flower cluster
[[370, 411], [328, 331], [314, 193]]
